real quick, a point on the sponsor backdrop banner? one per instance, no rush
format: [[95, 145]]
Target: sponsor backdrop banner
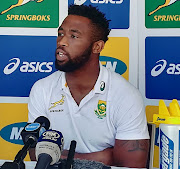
[[162, 14], [28, 13], [28, 42]]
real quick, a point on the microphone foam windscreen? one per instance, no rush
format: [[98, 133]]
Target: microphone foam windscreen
[[51, 142]]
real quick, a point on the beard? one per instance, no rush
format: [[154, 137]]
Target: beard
[[75, 63]]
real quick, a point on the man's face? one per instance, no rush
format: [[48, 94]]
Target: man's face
[[74, 43]]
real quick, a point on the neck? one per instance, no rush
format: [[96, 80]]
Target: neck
[[87, 74], [82, 81]]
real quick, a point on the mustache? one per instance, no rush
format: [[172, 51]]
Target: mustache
[[64, 51], [62, 48]]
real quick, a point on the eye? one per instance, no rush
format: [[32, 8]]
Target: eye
[[60, 34], [74, 36]]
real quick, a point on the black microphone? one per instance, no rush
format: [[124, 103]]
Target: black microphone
[[34, 130], [48, 149], [30, 135], [71, 153]]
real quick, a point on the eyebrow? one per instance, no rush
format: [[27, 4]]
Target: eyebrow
[[75, 31], [71, 30]]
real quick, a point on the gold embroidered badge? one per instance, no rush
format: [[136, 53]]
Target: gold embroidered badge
[[101, 111], [60, 102]]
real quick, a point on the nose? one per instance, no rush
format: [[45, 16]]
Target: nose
[[62, 41]]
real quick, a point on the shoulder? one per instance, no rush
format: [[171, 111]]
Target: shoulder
[[53, 78], [124, 98], [47, 82], [121, 88]]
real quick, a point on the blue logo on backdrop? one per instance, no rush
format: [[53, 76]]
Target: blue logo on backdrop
[[115, 10], [11, 133], [113, 64], [162, 67], [24, 60]]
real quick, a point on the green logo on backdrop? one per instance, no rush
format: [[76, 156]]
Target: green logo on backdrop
[[29, 13], [162, 13]]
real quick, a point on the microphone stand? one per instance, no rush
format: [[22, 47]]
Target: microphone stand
[[18, 161], [69, 162], [71, 153]]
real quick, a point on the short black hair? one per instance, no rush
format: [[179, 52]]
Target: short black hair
[[98, 19]]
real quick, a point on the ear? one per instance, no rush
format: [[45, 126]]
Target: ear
[[98, 46]]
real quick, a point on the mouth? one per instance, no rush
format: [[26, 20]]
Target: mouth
[[61, 55]]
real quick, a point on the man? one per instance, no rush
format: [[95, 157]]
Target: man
[[88, 103]]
